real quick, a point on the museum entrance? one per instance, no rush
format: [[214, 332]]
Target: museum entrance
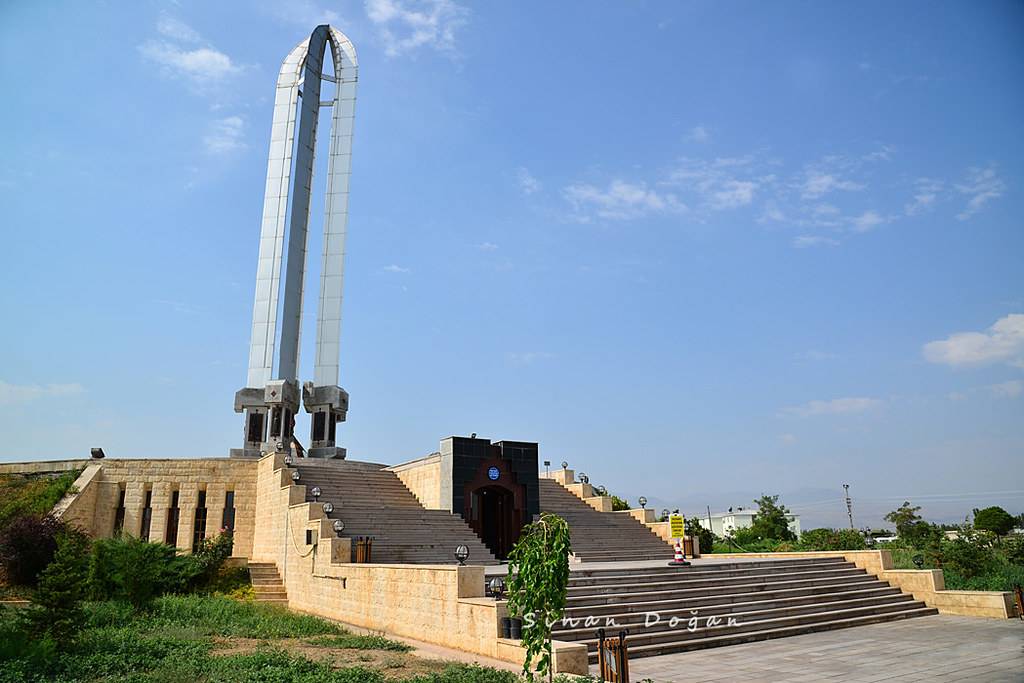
[[494, 507]]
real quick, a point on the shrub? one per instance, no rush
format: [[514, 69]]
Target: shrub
[[832, 539], [207, 559], [127, 568], [994, 519], [705, 536], [970, 554], [62, 588], [27, 545], [1013, 550]]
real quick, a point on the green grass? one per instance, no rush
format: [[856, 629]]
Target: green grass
[[32, 494], [353, 642], [174, 642]]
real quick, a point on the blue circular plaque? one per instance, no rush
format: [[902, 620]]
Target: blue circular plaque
[[493, 473]]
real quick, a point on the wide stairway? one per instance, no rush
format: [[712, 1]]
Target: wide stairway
[[746, 601], [601, 536], [373, 502]]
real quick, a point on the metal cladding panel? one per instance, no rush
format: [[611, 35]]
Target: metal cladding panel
[[268, 271], [286, 209], [328, 325]]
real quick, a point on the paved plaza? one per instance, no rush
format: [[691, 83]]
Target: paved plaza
[[935, 648]]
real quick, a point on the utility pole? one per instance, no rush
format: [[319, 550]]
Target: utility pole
[[849, 504]]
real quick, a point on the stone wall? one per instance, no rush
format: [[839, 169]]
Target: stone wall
[[423, 478], [440, 604], [93, 502]]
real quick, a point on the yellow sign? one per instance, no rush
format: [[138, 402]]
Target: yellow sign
[[676, 524]]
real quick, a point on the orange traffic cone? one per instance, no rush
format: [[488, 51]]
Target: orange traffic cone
[[680, 556]]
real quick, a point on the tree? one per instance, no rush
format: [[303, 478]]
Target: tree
[[904, 517], [771, 521], [706, 538], [994, 519], [63, 586], [618, 504], [27, 546], [538, 570]]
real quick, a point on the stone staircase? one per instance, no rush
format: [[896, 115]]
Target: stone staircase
[[601, 536], [754, 600], [267, 584], [373, 501]]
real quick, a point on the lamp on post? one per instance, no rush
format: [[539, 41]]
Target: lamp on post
[[462, 554], [565, 465], [339, 526], [664, 514], [288, 460], [497, 587], [584, 478], [328, 507], [316, 492], [643, 502], [296, 476]]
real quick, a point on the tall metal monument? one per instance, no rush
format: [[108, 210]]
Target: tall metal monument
[[270, 399]]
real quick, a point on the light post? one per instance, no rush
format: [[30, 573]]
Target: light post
[[462, 554]]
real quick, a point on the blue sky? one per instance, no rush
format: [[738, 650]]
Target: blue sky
[[698, 250]]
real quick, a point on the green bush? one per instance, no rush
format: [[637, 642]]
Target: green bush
[[63, 586], [207, 559], [136, 571], [832, 539], [970, 554], [706, 538], [1013, 549]]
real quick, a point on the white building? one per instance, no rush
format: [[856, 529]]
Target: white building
[[723, 523]]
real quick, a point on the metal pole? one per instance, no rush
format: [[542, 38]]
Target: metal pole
[[849, 504]]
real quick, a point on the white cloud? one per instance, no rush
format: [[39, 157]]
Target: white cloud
[[1011, 389], [819, 183], [883, 153], [225, 136], [406, 25], [720, 184], [733, 194], [836, 406], [621, 200], [699, 134], [527, 183], [487, 246], [926, 192], [20, 394], [394, 268], [202, 66], [175, 29], [787, 439], [805, 241], [981, 186], [1003, 342], [869, 220]]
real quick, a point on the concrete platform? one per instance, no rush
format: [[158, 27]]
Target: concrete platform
[[933, 648]]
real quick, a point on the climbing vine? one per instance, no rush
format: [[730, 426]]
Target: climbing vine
[[538, 584]]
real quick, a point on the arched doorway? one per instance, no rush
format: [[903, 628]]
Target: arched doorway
[[494, 506]]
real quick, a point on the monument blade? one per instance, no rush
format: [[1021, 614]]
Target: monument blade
[[270, 399]]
